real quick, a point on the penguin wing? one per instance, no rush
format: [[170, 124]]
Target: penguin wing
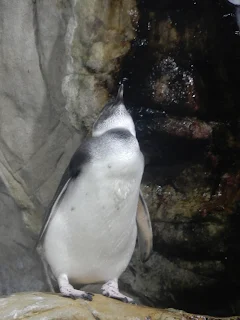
[[79, 159], [144, 229]]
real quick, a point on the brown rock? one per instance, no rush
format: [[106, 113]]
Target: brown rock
[[187, 127], [36, 306]]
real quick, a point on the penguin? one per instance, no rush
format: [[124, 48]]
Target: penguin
[[237, 11], [236, 2], [98, 211]]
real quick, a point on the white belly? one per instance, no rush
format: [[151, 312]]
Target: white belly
[[92, 234]]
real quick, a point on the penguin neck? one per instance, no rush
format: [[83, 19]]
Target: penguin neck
[[125, 123]]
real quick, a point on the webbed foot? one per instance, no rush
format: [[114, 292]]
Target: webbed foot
[[67, 289], [110, 289]]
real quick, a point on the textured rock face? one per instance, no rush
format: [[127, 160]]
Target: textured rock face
[[57, 63], [187, 120], [20, 266], [50, 307], [98, 36]]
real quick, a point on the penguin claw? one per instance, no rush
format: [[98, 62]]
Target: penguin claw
[[124, 299], [110, 289], [67, 290], [87, 296], [77, 294]]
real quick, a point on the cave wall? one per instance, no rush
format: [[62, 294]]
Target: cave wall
[[185, 104]]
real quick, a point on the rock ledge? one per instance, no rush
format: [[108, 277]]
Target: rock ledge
[[50, 306]]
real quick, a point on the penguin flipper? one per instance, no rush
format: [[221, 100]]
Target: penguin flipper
[[144, 229], [80, 157], [56, 199]]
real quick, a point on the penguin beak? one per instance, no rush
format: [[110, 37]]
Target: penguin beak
[[119, 97]]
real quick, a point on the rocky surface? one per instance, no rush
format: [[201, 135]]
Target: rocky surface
[[20, 267], [187, 120], [48, 306]]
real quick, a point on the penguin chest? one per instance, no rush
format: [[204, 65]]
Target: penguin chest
[[92, 234]]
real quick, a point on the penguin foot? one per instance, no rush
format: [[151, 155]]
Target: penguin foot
[[110, 289], [67, 289], [76, 294]]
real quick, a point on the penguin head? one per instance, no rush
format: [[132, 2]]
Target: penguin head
[[235, 2], [114, 116]]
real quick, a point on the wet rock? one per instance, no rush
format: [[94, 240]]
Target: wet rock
[[190, 128], [190, 69], [195, 245], [185, 106], [170, 34], [174, 88]]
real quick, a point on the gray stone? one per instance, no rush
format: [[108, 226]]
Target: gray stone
[[20, 267]]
